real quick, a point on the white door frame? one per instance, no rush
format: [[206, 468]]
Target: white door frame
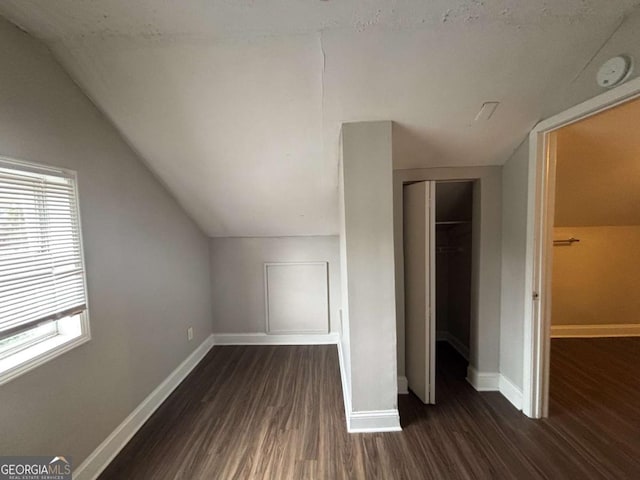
[[540, 209]]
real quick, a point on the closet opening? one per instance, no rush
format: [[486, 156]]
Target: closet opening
[[438, 248], [453, 250]]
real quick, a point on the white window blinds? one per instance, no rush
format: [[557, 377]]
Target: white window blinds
[[41, 267]]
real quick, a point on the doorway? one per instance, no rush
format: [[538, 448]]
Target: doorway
[[541, 250], [595, 306], [437, 233]]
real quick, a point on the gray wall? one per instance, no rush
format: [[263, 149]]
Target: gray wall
[[368, 235], [514, 232], [516, 183], [238, 287], [486, 259], [147, 264], [592, 281]]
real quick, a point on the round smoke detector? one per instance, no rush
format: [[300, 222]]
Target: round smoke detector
[[614, 71]]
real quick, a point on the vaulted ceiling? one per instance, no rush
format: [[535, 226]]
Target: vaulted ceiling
[[236, 105], [598, 169]]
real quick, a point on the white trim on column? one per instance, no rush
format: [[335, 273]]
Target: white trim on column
[[595, 331], [100, 458], [366, 421], [375, 421], [273, 339]]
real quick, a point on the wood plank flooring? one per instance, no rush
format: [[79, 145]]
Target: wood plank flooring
[[277, 413]]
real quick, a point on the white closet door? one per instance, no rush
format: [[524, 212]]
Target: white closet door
[[419, 272]]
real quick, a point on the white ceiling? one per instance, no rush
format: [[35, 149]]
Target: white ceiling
[[237, 104]]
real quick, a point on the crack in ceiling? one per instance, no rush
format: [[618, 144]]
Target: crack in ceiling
[[237, 105]]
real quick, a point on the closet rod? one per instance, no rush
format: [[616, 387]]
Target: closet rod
[[566, 241]]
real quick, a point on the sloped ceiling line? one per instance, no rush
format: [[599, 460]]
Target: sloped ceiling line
[[237, 106], [624, 18]]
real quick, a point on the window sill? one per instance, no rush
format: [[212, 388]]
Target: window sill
[[39, 354]]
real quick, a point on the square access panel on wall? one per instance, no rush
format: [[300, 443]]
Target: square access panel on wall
[[297, 297]]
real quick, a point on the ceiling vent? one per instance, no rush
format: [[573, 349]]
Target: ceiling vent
[[487, 111]]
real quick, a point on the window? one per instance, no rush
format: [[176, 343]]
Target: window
[[43, 301]]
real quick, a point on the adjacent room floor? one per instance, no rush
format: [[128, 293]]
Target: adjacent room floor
[[277, 413]]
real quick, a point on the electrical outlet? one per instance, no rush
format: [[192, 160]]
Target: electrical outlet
[[190, 333]]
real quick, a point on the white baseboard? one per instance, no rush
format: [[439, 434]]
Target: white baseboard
[[100, 458], [375, 421], [455, 342], [495, 382], [510, 391], [273, 339], [403, 385], [483, 381], [368, 421], [594, 331]]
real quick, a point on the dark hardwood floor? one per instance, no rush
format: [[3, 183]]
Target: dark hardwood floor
[[277, 413]]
